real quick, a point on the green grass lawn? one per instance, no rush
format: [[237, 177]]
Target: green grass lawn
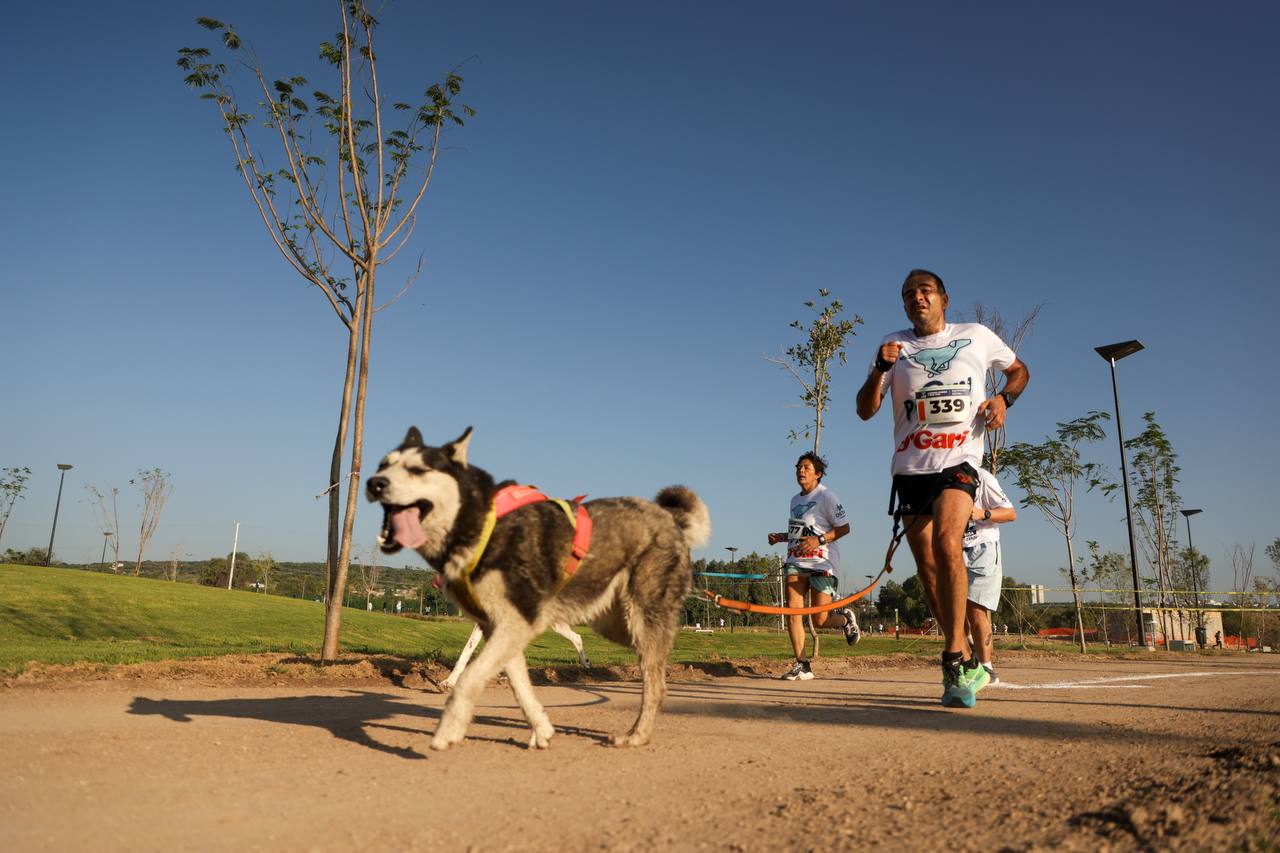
[[68, 616]]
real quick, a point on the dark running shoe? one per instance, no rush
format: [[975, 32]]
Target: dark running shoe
[[852, 634], [800, 671]]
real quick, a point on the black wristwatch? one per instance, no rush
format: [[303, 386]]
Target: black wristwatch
[[1008, 404], [882, 365], [986, 515], [822, 539]]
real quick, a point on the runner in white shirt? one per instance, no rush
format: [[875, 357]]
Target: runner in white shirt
[[814, 523], [983, 559], [935, 371]]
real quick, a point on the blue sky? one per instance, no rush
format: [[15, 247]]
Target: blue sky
[[645, 199]]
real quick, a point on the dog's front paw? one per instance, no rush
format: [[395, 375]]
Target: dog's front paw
[[629, 739], [447, 734], [541, 736], [446, 685]]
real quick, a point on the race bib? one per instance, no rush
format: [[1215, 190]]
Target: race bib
[[795, 544], [943, 404]]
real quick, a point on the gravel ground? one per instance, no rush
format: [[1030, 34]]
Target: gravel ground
[[268, 753]]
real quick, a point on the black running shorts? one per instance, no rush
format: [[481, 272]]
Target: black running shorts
[[915, 492]]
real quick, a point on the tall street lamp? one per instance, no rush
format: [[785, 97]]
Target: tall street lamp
[[1111, 354], [733, 561], [48, 555], [1195, 570]]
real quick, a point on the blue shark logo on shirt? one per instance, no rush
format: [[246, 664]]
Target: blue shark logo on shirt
[[938, 359], [799, 510]]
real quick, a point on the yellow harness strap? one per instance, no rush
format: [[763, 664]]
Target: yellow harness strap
[[462, 589]]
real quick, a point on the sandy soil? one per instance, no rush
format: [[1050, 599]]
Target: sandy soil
[[264, 753]]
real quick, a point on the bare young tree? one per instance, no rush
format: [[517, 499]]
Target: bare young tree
[[1048, 473], [1154, 475], [1273, 553], [369, 576], [156, 486], [172, 572], [809, 361], [108, 521], [1012, 335], [336, 222], [264, 565], [13, 482], [1241, 582]]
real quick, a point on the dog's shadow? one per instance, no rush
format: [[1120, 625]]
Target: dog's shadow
[[347, 717]]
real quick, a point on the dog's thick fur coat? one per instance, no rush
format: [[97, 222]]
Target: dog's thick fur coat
[[629, 588]]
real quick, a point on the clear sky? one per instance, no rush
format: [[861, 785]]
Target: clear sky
[[648, 194]]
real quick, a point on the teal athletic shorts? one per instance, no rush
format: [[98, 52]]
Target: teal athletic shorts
[[817, 582]]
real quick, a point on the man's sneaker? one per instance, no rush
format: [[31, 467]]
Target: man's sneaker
[[978, 677], [991, 671], [960, 686], [800, 671], [851, 632]]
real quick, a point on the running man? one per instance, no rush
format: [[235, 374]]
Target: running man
[[815, 522], [935, 371], [982, 558]]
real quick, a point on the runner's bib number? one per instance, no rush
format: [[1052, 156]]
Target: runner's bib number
[[943, 404]]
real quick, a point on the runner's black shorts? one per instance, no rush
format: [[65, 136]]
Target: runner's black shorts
[[915, 492]]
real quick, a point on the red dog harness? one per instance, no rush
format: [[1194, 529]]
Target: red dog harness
[[511, 498], [507, 500]]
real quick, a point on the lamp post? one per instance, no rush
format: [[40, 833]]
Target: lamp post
[[1195, 570], [106, 537], [48, 555], [1111, 354], [733, 561]]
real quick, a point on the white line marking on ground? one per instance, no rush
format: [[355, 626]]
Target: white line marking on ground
[[1116, 681]]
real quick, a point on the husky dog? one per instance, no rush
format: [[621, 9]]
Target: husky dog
[[474, 640], [629, 587]]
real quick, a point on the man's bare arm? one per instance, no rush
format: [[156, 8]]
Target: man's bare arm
[[870, 395], [1016, 377]]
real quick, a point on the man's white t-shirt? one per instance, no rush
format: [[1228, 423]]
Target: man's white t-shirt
[[988, 496], [937, 383], [817, 512]]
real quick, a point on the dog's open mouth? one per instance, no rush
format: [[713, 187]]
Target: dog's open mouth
[[402, 525]]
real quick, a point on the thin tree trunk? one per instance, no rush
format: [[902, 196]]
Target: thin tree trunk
[[336, 566], [1075, 593], [333, 622], [335, 463]]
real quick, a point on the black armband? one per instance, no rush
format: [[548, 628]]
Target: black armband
[[1008, 400]]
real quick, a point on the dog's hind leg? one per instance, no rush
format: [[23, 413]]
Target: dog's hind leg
[[467, 651], [518, 674], [507, 639], [563, 629], [652, 645]]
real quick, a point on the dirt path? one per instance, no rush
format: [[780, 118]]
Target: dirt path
[[1176, 753]]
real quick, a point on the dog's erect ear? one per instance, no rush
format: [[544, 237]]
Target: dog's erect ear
[[457, 449], [412, 438]]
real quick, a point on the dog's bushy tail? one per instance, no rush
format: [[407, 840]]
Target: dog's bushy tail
[[690, 513]]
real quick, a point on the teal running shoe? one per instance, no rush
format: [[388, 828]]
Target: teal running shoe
[[960, 686], [979, 677]]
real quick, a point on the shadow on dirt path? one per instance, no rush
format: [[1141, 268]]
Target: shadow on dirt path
[[346, 717]]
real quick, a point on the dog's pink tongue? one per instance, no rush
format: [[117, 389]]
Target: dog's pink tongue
[[406, 526]]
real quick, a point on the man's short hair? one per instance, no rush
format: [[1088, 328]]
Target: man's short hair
[[942, 288], [819, 464]]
